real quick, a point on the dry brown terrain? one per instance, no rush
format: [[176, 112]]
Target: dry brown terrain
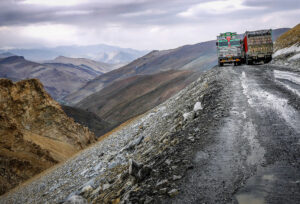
[[35, 133], [133, 96], [288, 39]]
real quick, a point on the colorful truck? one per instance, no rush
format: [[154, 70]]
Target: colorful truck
[[230, 49], [258, 46]]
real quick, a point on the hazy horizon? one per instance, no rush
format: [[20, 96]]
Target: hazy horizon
[[137, 24]]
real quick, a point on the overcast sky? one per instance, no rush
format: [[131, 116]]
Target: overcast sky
[[140, 24]]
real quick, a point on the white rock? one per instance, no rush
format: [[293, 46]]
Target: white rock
[[197, 106], [76, 199], [187, 116], [106, 186]]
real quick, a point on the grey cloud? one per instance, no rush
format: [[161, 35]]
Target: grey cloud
[[12, 13], [134, 16]]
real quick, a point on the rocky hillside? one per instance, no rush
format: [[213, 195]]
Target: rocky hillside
[[198, 57], [287, 48], [35, 132], [135, 95], [58, 79]]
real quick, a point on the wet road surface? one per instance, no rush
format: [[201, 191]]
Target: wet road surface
[[255, 158]]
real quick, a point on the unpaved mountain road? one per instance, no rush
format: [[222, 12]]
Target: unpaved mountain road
[[241, 145], [256, 154]]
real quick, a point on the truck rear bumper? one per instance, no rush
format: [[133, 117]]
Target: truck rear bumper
[[229, 59]]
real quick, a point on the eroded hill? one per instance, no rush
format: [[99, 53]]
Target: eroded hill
[[35, 132]]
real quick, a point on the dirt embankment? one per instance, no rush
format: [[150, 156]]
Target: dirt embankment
[[288, 39]]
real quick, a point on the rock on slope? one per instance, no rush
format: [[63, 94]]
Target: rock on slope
[[107, 173], [287, 48], [198, 57], [35, 132], [135, 95], [58, 79]]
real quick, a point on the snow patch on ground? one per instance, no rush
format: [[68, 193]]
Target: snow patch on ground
[[295, 57], [292, 77], [293, 48]]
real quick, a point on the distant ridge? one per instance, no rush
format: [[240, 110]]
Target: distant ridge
[[103, 53]]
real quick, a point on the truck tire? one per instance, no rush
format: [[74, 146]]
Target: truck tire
[[248, 61]]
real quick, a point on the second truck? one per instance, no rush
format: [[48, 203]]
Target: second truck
[[258, 46], [254, 47]]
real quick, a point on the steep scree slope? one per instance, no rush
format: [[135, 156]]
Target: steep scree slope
[[35, 132]]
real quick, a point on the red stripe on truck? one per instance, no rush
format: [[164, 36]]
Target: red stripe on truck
[[245, 44]]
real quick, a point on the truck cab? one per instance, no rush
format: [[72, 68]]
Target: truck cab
[[229, 48]]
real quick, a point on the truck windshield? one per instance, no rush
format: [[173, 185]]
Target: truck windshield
[[224, 43], [235, 42]]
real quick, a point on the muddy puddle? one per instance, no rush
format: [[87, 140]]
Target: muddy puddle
[[279, 183]]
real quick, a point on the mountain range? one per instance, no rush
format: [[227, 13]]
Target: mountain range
[[60, 76], [198, 58], [127, 98], [103, 53]]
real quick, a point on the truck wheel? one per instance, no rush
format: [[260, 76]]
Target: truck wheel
[[249, 62]]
